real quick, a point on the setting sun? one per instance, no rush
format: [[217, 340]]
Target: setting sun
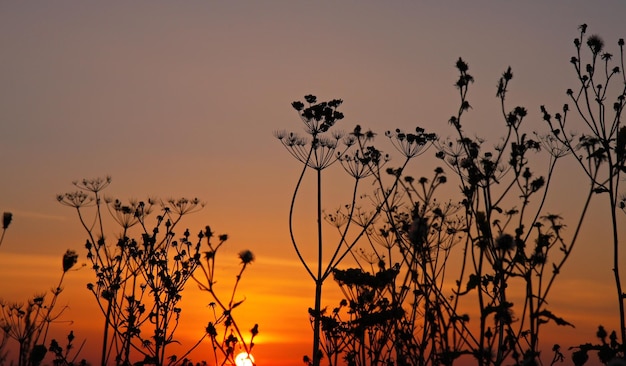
[[244, 359]]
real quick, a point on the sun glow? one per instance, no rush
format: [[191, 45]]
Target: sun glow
[[244, 359]]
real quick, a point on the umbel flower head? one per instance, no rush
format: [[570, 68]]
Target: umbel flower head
[[553, 145], [411, 144], [318, 117], [76, 199], [182, 206], [321, 148], [128, 215], [94, 184]]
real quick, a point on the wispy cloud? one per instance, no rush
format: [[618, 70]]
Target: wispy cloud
[[37, 215]]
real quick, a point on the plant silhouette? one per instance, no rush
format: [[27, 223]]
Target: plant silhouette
[[28, 323], [7, 217], [140, 282], [598, 102], [323, 147], [427, 277], [231, 341], [397, 309]]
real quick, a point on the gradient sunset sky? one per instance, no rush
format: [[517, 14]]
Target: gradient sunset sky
[[181, 99]]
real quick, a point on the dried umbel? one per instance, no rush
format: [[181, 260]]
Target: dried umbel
[[318, 117], [322, 146], [411, 144]]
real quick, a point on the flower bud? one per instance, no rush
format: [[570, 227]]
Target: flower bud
[[69, 260], [7, 217]]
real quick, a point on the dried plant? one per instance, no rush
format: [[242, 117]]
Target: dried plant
[[28, 323], [599, 101], [66, 356], [139, 282], [511, 245], [7, 217], [320, 149], [226, 337], [396, 308]]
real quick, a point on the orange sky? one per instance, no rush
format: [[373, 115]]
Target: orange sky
[[181, 98]]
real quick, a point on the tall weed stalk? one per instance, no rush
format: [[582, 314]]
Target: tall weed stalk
[[600, 151], [320, 149]]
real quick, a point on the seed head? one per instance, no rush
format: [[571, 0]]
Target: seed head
[[246, 257], [595, 43], [505, 242], [6, 219], [69, 260]]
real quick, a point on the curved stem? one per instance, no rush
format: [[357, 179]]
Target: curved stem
[[291, 213]]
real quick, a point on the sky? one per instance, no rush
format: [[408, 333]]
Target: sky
[[177, 99]]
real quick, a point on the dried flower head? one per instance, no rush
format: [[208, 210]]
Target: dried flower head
[[182, 206], [356, 165], [411, 144], [338, 218], [505, 242], [76, 199], [246, 257], [7, 217], [128, 215], [93, 185], [69, 260], [38, 299], [553, 145], [595, 43]]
